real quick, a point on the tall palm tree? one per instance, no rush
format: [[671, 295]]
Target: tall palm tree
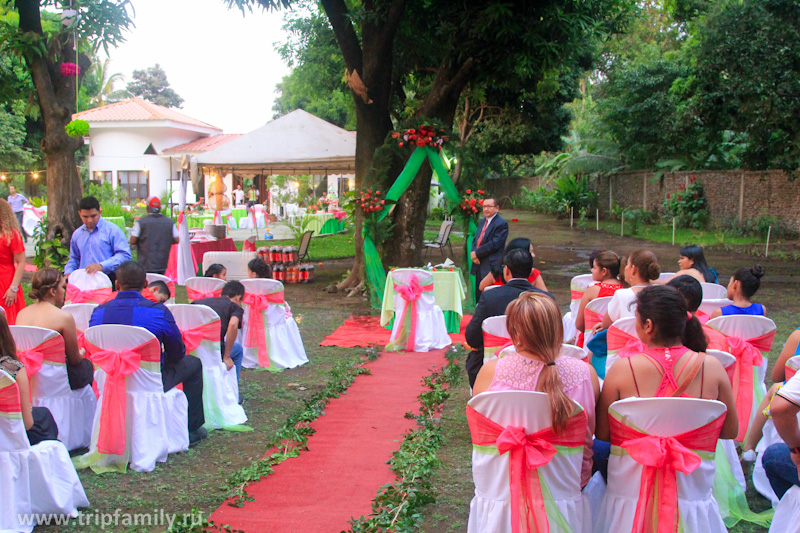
[[103, 84]]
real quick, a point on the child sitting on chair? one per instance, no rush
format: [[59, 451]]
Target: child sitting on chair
[[743, 285], [160, 290]]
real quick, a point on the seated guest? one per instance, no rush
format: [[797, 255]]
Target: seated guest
[[781, 461], [743, 285], [667, 367], [132, 309], [692, 262], [495, 277], [258, 268], [48, 288], [39, 423], [160, 291], [605, 272], [217, 271], [641, 270], [517, 265], [535, 364], [229, 308]]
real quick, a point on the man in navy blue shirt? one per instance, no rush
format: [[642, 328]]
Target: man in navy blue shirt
[[132, 309]]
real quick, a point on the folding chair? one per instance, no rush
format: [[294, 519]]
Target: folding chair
[[442, 240], [305, 241]]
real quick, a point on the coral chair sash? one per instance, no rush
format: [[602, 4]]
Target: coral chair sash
[[249, 245], [51, 350], [118, 365], [702, 316], [411, 293], [526, 454], [623, 343], [591, 318], [194, 294], [494, 344], [193, 337], [748, 355], [662, 458], [92, 296], [9, 400], [255, 334], [790, 372]]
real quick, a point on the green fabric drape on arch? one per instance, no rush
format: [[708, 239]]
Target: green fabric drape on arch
[[376, 274]]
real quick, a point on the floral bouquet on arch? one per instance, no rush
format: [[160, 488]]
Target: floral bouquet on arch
[[422, 136], [368, 201], [471, 205]]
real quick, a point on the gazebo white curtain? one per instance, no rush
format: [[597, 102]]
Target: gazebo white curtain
[[185, 264]]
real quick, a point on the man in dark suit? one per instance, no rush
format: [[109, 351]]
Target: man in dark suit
[[490, 240], [517, 265]]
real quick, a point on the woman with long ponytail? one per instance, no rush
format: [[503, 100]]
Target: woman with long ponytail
[[535, 364]]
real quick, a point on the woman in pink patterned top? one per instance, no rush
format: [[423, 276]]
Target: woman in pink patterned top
[[535, 364]]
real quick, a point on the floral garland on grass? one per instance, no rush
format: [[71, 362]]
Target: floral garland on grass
[[396, 508]]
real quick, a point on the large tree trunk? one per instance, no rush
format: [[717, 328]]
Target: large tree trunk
[[56, 97]]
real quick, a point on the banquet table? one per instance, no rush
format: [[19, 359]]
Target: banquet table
[[449, 291], [117, 221], [198, 250]]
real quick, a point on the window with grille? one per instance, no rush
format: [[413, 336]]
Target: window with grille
[[134, 184]]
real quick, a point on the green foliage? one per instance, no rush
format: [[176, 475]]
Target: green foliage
[[540, 200], [151, 84], [688, 205], [380, 230], [77, 128], [437, 213], [572, 192], [49, 253], [760, 226]]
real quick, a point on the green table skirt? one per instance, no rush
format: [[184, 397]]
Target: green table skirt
[[117, 221], [451, 319], [332, 226]]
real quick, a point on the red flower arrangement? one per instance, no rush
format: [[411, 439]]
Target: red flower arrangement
[[472, 203], [324, 200], [423, 136], [313, 208], [369, 202], [70, 69]]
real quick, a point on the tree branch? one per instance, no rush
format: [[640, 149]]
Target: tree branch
[[339, 17]]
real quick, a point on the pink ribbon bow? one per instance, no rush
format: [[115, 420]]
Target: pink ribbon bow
[[411, 293], [625, 344], [591, 318], [193, 337], [194, 294], [748, 355], [255, 334], [112, 433], [526, 454], [662, 458], [51, 350], [94, 296]]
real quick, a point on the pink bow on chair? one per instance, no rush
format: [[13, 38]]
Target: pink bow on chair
[[623, 343], [77, 296], [526, 454], [51, 350], [194, 294], [255, 334], [748, 355], [591, 319], [662, 458], [494, 344], [193, 337], [410, 293], [118, 365]]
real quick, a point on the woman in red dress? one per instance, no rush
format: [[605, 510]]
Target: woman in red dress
[[12, 263]]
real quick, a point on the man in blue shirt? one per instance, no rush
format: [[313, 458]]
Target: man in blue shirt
[[132, 309], [97, 245], [17, 202]]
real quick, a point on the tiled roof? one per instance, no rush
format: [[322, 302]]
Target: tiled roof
[[204, 143], [135, 109]]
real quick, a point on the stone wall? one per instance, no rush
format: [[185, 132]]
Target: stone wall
[[506, 188], [731, 194]]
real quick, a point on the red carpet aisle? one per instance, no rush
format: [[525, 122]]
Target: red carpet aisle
[[345, 465], [367, 331]]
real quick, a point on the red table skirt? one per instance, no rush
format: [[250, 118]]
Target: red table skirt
[[198, 250]]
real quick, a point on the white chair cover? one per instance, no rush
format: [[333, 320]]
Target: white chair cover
[[626, 325], [220, 387], [281, 340], [709, 305], [156, 422], [598, 308], [748, 327], [787, 514], [235, 262], [232, 222], [490, 509], [36, 479], [171, 284], [82, 314], [431, 329], [256, 212], [713, 291], [577, 287], [72, 410], [199, 288], [570, 350], [665, 276], [88, 288], [792, 366], [494, 333], [663, 417]]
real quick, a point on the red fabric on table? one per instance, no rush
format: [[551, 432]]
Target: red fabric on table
[[367, 331], [345, 464], [340, 215], [198, 249]]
